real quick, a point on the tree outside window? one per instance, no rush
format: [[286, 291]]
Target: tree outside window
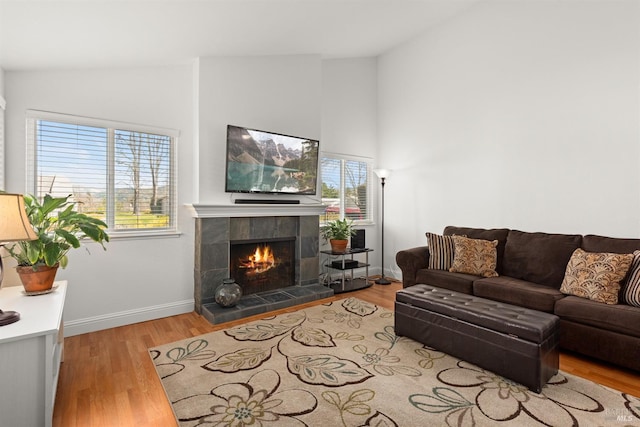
[[119, 174], [345, 188]]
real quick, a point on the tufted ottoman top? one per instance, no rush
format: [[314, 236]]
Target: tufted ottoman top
[[530, 325]]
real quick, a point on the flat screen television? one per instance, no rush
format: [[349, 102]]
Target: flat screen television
[[270, 163]]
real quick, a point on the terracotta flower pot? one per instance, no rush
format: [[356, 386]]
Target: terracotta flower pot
[[39, 280], [339, 246]]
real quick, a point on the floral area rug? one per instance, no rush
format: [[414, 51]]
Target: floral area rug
[[340, 364]]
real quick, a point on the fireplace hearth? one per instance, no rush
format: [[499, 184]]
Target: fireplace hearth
[[236, 247]]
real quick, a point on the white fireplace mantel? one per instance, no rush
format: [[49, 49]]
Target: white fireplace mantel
[[250, 210]]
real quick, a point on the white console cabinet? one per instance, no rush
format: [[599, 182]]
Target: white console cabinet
[[31, 351]]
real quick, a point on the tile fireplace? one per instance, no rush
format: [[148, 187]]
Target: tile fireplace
[[271, 252]]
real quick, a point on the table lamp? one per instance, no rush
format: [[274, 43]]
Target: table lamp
[[14, 227]]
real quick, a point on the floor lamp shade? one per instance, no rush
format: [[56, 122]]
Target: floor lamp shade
[[14, 227], [383, 174]]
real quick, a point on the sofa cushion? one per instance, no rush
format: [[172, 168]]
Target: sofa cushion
[[538, 257], [517, 292], [441, 249], [474, 256], [631, 287], [458, 282], [596, 275], [620, 318], [499, 234], [593, 243]]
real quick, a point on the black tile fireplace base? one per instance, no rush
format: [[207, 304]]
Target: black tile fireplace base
[[264, 302]]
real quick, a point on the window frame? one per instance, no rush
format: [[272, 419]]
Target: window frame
[[344, 158], [111, 126]]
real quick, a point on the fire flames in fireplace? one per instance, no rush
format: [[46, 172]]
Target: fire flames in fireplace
[[261, 261], [262, 264]]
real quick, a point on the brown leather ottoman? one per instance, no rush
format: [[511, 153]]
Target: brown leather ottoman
[[514, 342]]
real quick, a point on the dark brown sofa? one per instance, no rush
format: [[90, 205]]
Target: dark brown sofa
[[531, 267]]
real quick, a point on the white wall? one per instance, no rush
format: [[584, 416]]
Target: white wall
[[2, 136], [3, 253], [134, 279], [303, 95], [523, 115], [274, 93], [138, 279], [349, 106], [349, 123]]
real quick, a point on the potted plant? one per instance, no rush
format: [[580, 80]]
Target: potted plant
[[337, 232], [59, 228]]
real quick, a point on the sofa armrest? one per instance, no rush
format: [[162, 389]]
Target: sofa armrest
[[410, 261]]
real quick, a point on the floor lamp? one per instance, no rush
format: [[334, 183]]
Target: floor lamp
[[382, 174], [14, 227]]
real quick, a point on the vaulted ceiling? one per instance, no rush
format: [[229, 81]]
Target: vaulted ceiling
[[38, 34]]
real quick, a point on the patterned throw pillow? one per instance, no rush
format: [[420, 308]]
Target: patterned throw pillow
[[440, 251], [631, 290], [595, 275], [474, 256]]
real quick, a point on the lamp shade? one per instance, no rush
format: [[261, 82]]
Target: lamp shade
[[382, 173], [14, 223]]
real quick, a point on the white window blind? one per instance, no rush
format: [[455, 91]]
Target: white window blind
[[121, 173], [346, 187]]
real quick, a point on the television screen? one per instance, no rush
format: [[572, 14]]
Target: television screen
[[267, 162]]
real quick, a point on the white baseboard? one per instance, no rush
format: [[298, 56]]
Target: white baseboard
[[121, 318]]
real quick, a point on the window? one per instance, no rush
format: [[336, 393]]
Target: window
[[123, 174], [345, 187]]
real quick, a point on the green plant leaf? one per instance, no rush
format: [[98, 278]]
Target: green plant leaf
[[69, 237], [50, 204], [339, 229], [33, 253], [92, 232], [52, 254], [59, 228]]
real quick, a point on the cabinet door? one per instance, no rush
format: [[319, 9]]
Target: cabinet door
[[22, 375]]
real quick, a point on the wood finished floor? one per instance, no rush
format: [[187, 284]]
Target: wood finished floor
[[107, 378]]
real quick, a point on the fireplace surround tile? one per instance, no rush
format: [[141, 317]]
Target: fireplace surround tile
[[213, 237], [309, 246], [213, 230], [214, 255], [240, 229], [265, 228], [310, 270]]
